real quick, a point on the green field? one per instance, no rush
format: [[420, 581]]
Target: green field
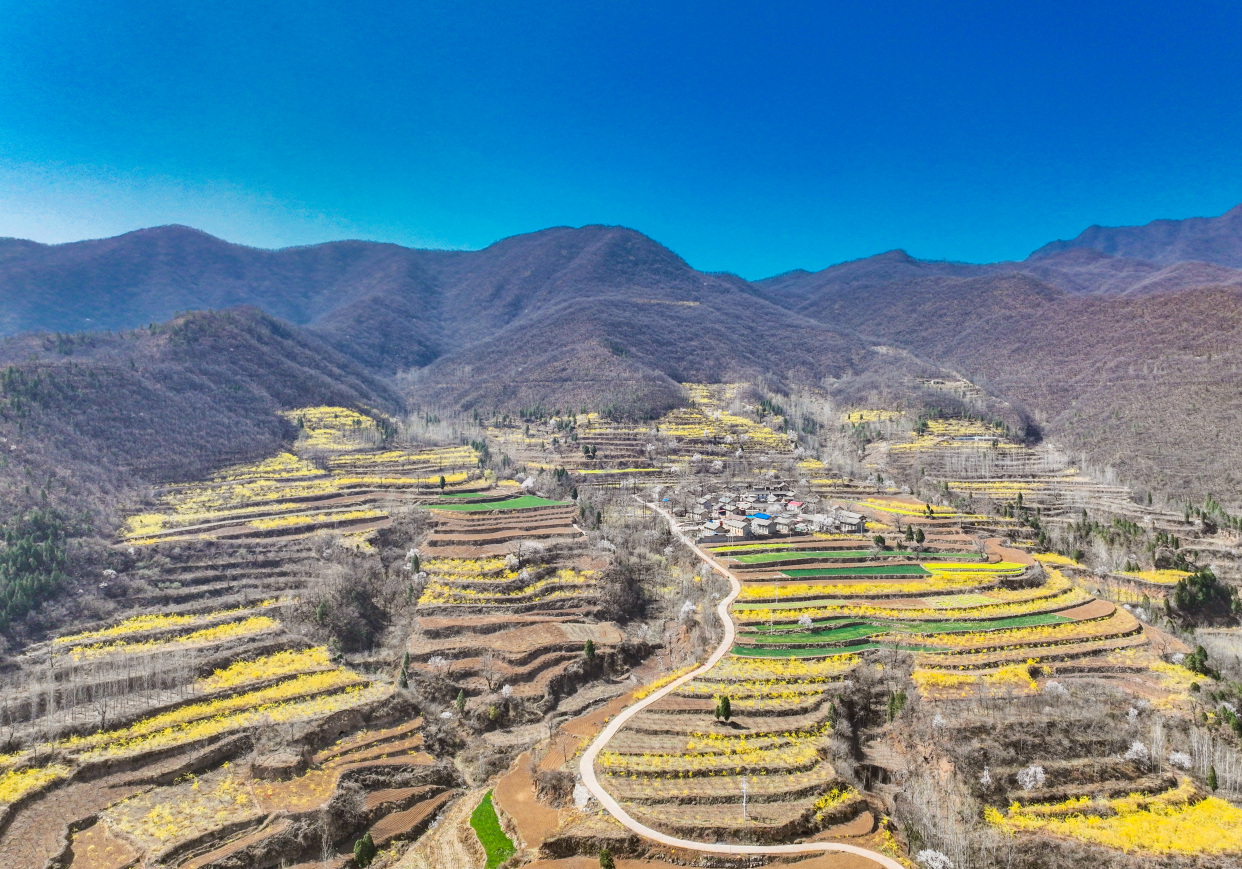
[[523, 502], [919, 627], [498, 846], [868, 570]]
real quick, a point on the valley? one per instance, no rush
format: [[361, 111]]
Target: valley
[[561, 553], [353, 636]]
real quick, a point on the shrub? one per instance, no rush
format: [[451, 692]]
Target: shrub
[[605, 860]]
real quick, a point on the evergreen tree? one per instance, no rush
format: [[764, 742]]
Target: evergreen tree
[[461, 701], [605, 860], [919, 536], [589, 650], [403, 679], [364, 850], [724, 710], [1212, 782]]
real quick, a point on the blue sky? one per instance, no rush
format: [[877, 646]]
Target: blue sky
[[747, 137]]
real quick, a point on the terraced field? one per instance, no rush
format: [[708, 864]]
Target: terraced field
[[339, 476], [133, 771], [660, 453], [190, 727], [510, 600], [983, 621]]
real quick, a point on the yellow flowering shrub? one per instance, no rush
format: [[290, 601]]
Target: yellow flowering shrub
[[832, 799], [183, 718], [189, 808], [314, 519], [1159, 577], [218, 633], [271, 666], [15, 784], [652, 687], [155, 621], [1173, 823]]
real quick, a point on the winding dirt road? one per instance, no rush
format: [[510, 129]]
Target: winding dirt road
[[587, 765]]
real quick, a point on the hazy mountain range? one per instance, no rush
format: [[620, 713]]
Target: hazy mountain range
[[1123, 341]]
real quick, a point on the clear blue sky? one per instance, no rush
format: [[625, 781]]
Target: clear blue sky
[[749, 137]]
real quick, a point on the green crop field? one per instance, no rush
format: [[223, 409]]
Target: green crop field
[[523, 502], [498, 846], [868, 570], [928, 627]]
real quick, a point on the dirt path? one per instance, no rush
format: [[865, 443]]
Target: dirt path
[[587, 765]]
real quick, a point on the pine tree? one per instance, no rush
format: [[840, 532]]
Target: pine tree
[[724, 709], [364, 850], [1212, 781], [461, 701], [589, 650], [403, 679], [919, 536], [605, 860]]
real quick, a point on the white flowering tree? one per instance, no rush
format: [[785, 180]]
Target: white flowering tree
[[1032, 777]]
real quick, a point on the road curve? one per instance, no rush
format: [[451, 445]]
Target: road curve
[[587, 765]]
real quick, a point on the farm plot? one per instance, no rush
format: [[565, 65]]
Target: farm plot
[[677, 768], [203, 723], [973, 627], [508, 605], [522, 502], [239, 812], [288, 495]]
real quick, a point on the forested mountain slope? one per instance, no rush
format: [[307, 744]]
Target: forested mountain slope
[[1205, 239]]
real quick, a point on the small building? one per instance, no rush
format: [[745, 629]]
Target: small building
[[736, 526], [849, 522], [761, 527], [784, 524]]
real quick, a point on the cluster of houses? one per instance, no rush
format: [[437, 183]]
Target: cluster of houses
[[763, 513]]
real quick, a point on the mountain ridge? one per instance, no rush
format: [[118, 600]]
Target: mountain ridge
[[607, 318]]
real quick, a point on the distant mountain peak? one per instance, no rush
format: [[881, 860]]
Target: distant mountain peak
[[1205, 239]]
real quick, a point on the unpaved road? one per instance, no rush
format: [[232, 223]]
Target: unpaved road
[[587, 765]]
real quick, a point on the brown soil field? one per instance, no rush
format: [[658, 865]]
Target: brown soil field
[[96, 848], [1096, 609], [515, 795]]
